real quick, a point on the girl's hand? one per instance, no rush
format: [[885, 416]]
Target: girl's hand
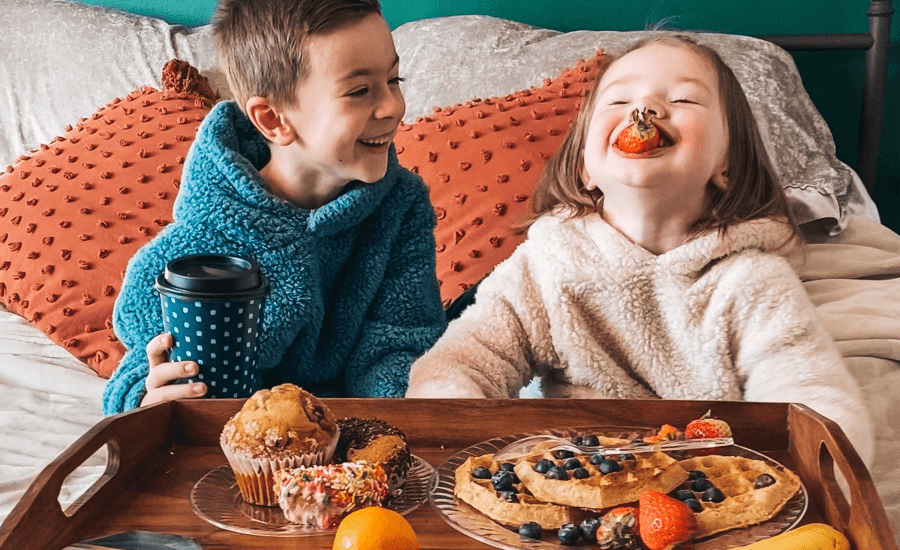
[[163, 373]]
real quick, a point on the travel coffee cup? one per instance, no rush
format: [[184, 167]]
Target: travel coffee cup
[[211, 304]]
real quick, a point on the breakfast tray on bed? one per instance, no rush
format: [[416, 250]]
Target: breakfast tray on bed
[[158, 454]]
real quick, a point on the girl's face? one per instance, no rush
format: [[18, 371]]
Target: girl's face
[[681, 87]]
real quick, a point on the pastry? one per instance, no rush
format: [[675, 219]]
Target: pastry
[[735, 491], [285, 427], [597, 481], [512, 505], [374, 441], [321, 495]]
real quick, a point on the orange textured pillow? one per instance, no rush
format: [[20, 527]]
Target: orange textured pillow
[[481, 161], [74, 212]]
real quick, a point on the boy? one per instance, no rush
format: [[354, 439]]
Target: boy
[[299, 173]]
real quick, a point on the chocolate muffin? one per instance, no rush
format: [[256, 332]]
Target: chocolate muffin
[[374, 441]]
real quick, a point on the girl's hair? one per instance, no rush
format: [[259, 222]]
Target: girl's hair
[[753, 191], [263, 45]]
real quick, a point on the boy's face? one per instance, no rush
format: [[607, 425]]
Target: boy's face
[[349, 105], [682, 88]]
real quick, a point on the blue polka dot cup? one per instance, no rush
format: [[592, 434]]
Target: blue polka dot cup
[[211, 304]]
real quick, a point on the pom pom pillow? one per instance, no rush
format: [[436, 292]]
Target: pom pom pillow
[[73, 212], [481, 161]]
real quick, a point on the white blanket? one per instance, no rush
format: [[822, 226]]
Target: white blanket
[[48, 399]]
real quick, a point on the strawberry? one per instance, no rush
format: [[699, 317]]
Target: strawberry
[[707, 426], [641, 136], [664, 522], [623, 515], [666, 433]]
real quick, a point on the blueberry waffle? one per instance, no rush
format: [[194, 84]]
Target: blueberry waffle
[[727, 492], [496, 492], [597, 481]]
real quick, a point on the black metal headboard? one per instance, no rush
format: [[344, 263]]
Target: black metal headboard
[[876, 44]]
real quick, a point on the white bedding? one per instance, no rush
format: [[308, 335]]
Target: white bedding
[[48, 399]]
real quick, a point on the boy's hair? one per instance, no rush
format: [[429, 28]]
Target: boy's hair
[[262, 45], [754, 190]]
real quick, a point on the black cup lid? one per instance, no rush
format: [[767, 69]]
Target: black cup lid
[[212, 275]]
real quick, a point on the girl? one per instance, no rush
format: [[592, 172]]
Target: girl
[[652, 273]]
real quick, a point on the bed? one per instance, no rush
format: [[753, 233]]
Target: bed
[[462, 73]]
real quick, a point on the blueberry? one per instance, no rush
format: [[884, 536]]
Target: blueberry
[[581, 473], [508, 466], [509, 496], [502, 480], [557, 473], [589, 528], [701, 484], [696, 474], [563, 453], [481, 472], [694, 505], [568, 534], [543, 465], [577, 440], [591, 440], [571, 463], [530, 530], [684, 494], [609, 466], [626, 456], [597, 459], [764, 480], [713, 494]]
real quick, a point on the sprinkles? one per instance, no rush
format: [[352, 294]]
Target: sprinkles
[[320, 495]]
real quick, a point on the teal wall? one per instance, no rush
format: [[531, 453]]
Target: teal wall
[[824, 73]]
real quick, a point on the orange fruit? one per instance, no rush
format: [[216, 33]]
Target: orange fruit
[[375, 528]]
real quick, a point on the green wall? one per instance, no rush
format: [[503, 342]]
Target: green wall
[[824, 73]]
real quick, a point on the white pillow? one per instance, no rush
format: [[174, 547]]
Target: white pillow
[[60, 61]]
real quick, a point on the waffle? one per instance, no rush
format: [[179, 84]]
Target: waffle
[[653, 471], [744, 505], [480, 494]]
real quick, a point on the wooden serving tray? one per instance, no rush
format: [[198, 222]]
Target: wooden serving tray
[[157, 454]]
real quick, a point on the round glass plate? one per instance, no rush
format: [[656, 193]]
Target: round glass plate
[[469, 521], [217, 499]]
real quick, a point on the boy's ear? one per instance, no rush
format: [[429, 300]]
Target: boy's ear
[[269, 121], [720, 179]]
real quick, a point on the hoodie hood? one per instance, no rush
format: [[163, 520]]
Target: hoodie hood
[[222, 177]]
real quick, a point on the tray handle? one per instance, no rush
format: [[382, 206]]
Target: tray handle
[[39, 521], [820, 447]]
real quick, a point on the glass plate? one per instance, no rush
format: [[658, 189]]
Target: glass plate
[[469, 521], [217, 499]]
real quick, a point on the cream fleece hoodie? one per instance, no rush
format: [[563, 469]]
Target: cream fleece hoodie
[[594, 315]]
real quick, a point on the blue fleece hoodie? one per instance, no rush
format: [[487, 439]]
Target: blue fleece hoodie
[[353, 295]]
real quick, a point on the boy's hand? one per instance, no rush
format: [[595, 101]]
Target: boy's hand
[[163, 373]]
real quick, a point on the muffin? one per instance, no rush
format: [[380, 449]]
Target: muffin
[[376, 442], [285, 427], [321, 495]]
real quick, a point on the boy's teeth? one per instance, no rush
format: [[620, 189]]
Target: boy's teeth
[[380, 141]]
